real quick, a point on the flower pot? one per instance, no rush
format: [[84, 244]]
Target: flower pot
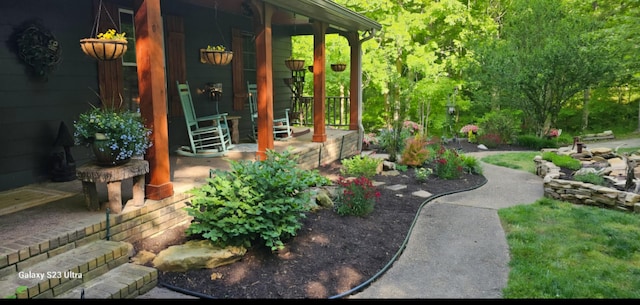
[[310, 69], [338, 67], [215, 57], [104, 49], [294, 64], [105, 156]]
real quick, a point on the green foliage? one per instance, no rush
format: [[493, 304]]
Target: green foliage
[[447, 163], [592, 178], [562, 160], [255, 200], [360, 166], [358, 196], [19, 290], [392, 140], [503, 123], [111, 34], [470, 164], [423, 173], [401, 167], [535, 142], [415, 152]]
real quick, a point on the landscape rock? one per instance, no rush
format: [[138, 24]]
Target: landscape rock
[[196, 254]]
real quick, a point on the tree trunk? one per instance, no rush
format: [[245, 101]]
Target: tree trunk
[[585, 109]]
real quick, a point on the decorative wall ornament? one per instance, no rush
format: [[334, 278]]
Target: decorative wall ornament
[[37, 47]]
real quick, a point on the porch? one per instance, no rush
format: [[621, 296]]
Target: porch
[[64, 207]]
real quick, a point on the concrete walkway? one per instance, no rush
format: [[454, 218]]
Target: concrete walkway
[[458, 248]]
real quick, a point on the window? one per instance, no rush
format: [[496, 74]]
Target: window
[[130, 95]]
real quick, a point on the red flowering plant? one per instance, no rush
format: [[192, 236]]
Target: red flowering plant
[[553, 133], [358, 196], [448, 164]]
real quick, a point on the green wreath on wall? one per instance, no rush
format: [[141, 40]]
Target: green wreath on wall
[[38, 48]]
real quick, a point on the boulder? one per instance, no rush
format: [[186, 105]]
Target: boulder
[[196, 254]]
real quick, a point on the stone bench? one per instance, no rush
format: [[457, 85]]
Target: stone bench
[[90, 174]]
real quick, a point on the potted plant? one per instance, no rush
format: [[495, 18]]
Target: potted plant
[[294, 64], [109, 45], [114, 135], [216, 55]]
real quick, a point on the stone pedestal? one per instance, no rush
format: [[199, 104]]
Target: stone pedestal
[[90, 174]]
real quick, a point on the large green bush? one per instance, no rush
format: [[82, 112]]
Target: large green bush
[[504, 123], [358, 165], [255, 200]]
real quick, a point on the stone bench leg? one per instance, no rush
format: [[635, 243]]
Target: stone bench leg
[[114, 189], [91, 196], [138, 191]]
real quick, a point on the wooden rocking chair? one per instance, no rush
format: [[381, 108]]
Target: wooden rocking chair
[[205, 141], [281, 127]]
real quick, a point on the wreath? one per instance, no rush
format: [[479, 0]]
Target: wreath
[[38, 48]]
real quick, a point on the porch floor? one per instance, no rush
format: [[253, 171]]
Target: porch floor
[[70, 213]]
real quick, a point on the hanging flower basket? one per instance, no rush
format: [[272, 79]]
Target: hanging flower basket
[[294, 64], [338, 67], [216, 57], [310, 69], [104, 49]]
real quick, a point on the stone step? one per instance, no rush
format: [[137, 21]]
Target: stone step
[[53, 275], [123, 282]]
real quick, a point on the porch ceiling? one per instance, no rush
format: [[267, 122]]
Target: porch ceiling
[[299, 12]]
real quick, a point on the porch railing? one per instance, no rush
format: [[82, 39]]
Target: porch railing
[[336, 111]]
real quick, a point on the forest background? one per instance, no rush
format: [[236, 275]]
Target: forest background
[[532, 65]]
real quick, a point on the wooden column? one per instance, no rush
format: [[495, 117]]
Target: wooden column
[[319, 78], [153, 98], [355, 80], [264, 80]]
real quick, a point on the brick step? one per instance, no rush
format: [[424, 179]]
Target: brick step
[[53, 275], [123, 282]]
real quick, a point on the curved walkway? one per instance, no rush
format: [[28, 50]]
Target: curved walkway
[[458, 248]]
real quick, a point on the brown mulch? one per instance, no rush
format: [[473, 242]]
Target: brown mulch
[[332, 256]]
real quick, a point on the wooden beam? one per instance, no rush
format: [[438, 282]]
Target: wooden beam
[[319, 79], [153, 98], [354, 81], [264, 81]]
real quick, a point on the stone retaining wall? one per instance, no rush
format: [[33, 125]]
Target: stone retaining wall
[[583, 193]]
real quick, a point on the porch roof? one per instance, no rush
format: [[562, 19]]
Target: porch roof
[[330, 12]]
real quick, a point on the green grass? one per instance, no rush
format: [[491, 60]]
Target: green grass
[[515, 160], [561, 250]]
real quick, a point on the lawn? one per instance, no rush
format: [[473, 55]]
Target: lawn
[[562, 250]]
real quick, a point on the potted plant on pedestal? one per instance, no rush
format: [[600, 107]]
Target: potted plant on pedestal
[[115, 135]]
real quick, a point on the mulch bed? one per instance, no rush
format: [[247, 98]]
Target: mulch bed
[[331, 256]]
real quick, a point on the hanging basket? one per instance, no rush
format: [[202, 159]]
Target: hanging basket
[[294, 64], [215, 57], [338, 67], [104, 49], [310, 69]]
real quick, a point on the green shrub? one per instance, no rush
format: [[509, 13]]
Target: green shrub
[[358, 196], [490, 140], [255, 200], [592, 178], [447, 163], [392, 141], [360, 166], [401, 167], [535, 142], [505, 124], [562, 160], [470, 164]]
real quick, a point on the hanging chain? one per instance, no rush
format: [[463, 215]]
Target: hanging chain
[[224, 42], [96, 22]]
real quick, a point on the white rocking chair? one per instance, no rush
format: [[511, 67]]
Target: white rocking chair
[[204, 141], [281, 127]]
